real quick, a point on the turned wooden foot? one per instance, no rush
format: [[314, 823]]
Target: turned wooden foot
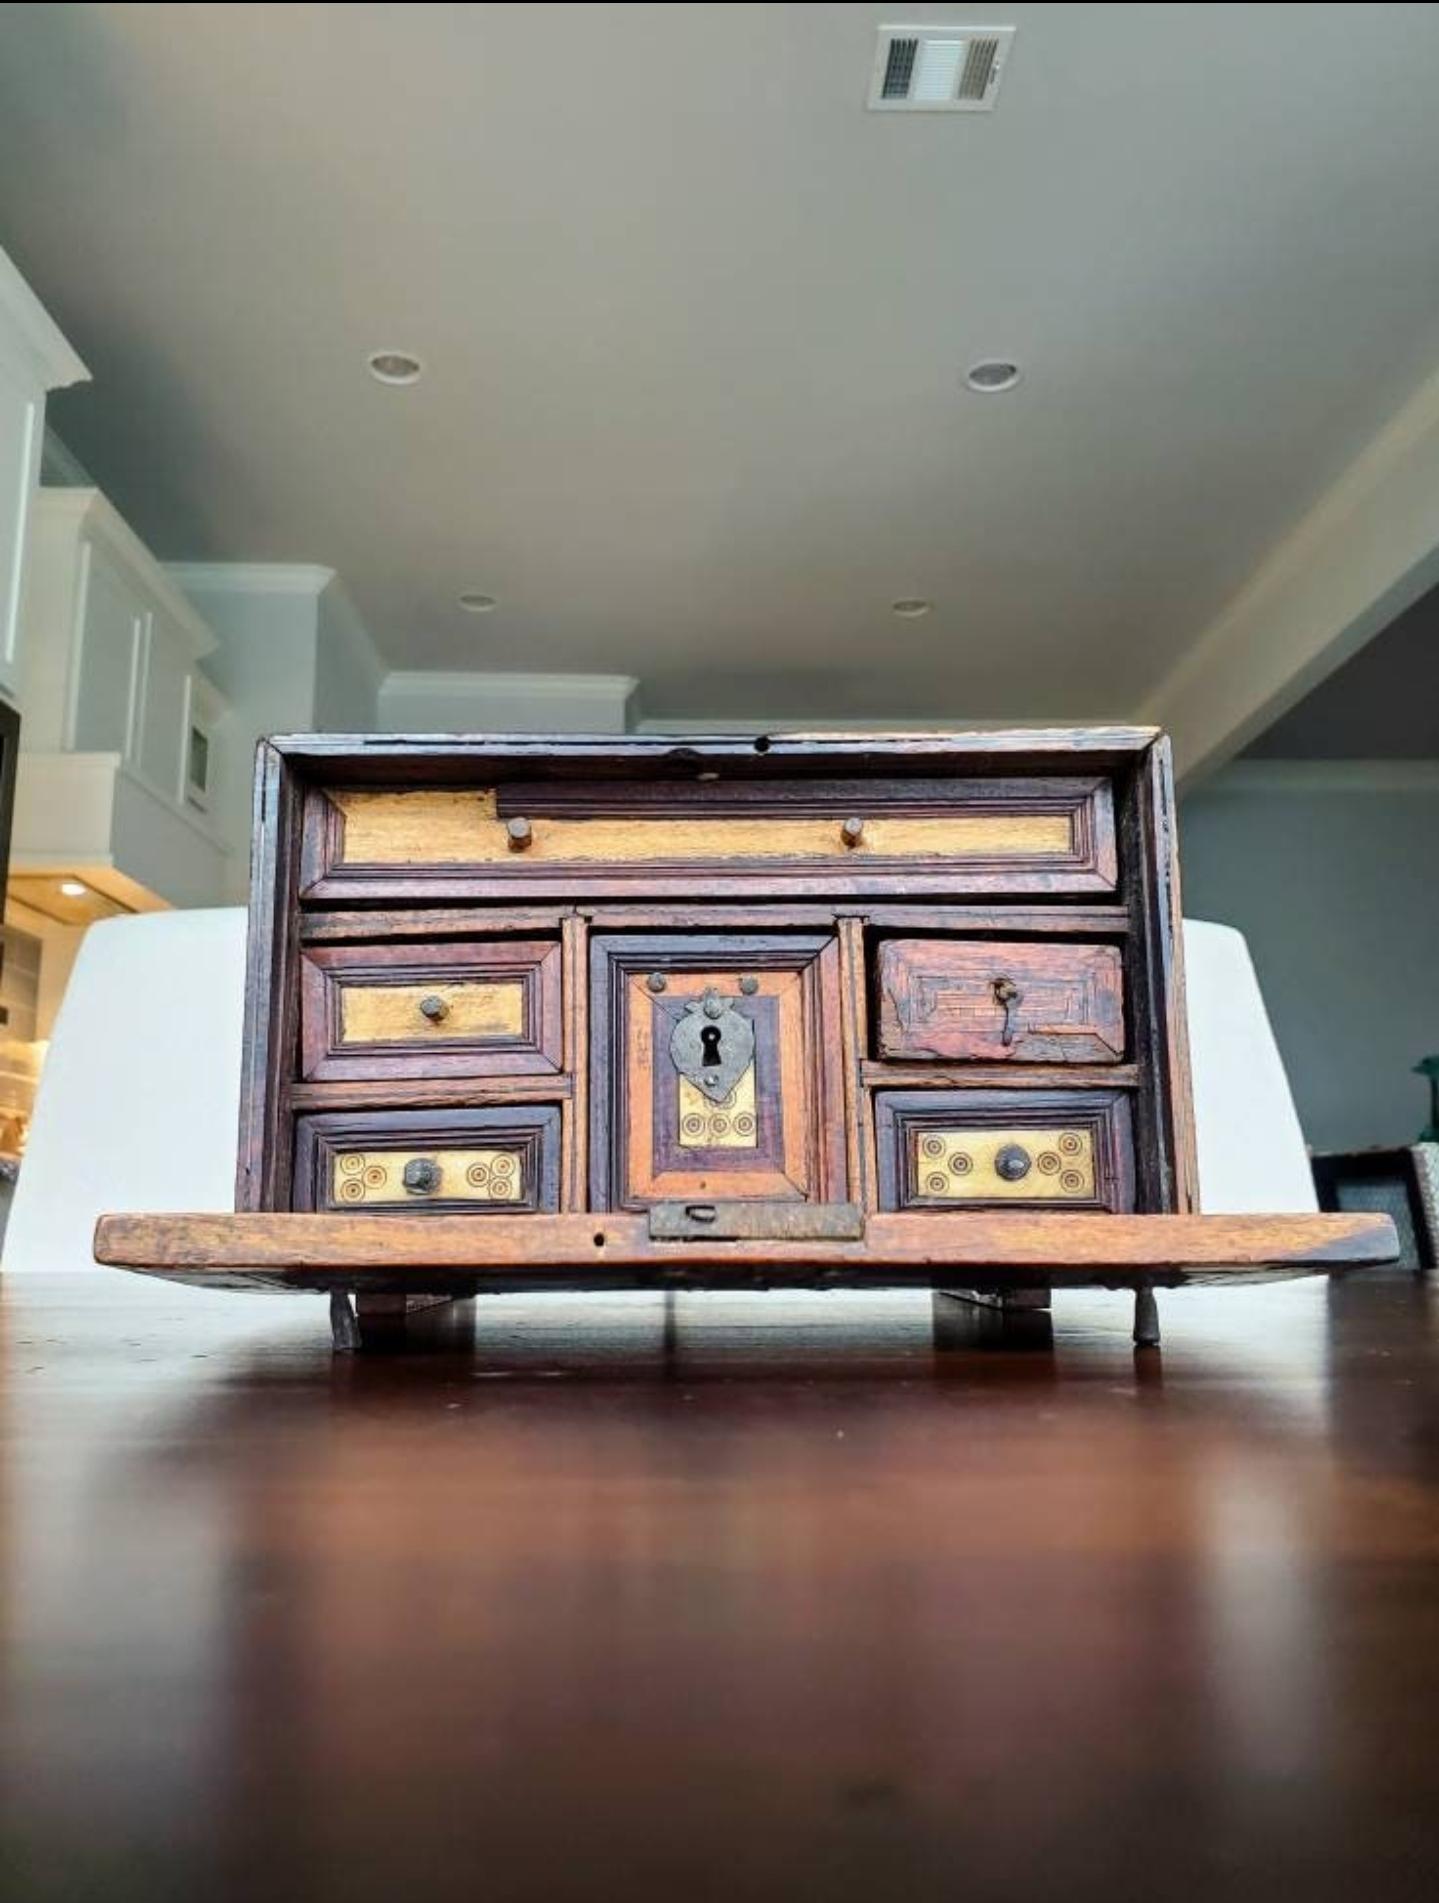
[[1146, 1318], [344, 1329]]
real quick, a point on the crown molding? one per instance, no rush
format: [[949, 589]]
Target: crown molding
[[251, 578], [39, 338], [477, 702]]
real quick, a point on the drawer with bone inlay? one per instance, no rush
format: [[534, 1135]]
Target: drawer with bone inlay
[[983, 1001], [1003, 1149], [462, 1162], [480, 1008]]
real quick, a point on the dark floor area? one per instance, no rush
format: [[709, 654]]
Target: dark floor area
[[774, 1597]]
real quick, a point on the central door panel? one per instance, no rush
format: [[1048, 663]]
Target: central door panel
[[716, 1069]]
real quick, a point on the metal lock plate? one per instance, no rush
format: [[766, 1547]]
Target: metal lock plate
[[712, 1046], [756, 1222]]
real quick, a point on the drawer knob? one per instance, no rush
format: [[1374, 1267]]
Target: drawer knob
[[1012, 1162], [1009, 997], [434, 1008], [521, 834], [852, 831], [421, 1175]]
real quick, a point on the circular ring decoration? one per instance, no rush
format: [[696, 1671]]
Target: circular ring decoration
[[375, 1175], [961, 1163], [1072, 1181], [744, 1124], [936, 1184], [719, 1125], [1071, 1144], [352, 1191], [478, 1174], [351, 1163], [693, 1126], [1047, 1161], [932, 1146]]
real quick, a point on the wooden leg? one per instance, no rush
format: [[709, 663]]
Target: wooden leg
[[344, 1329], [1146, 1318]]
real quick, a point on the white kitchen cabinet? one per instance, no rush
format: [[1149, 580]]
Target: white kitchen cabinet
[[34, 358], [113, 686]]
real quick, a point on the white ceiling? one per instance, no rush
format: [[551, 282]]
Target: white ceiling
[[694, 323]]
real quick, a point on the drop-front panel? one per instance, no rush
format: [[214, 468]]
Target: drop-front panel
[[502, 977]]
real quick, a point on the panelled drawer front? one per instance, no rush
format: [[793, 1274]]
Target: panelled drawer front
[[482, 1009], [715, 1069], [994, 1003], [503, 1161], [999, 835], [1005, 1149]]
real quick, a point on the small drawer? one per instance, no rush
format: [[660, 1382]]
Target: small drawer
[[469, 1162], [552, 838], [1037, 1149], [990, 1003], [715, 1068], [478, 1009]]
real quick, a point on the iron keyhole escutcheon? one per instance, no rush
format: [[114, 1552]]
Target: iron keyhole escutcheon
[[712, 1044]]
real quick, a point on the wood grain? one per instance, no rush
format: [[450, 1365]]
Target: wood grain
[[943, 998], [574, 1115], [990, 1248], [473, 1009], [995, 834], [361, 1015]]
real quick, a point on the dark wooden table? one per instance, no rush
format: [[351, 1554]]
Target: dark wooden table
[[714, 1597]]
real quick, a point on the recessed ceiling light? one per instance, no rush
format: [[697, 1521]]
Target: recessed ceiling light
[[72, 889], [991, 375], [394, 366], [910, 607], [474, 603]]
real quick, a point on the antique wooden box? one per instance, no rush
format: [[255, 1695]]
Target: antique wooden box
[[836, 1007]]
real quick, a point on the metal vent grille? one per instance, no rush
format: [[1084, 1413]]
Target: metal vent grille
[[979, 62], [899, 69], [938, 68]]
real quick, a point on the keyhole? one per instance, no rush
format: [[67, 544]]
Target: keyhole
[[710, 1039]]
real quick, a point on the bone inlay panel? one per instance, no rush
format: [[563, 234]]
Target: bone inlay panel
[[1019, 1165], [361, 1177], [731, 1124]]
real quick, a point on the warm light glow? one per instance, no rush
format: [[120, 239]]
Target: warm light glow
[[72, 889]]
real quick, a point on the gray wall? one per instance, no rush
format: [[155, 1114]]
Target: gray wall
[[1332, 873]]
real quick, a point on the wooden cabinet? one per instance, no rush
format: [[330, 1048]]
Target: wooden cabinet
[[647, 1012], [736, 972]]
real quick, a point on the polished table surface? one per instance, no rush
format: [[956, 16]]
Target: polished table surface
[[802, 1597]]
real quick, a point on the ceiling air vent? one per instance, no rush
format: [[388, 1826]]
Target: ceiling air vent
[[938, 68]]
